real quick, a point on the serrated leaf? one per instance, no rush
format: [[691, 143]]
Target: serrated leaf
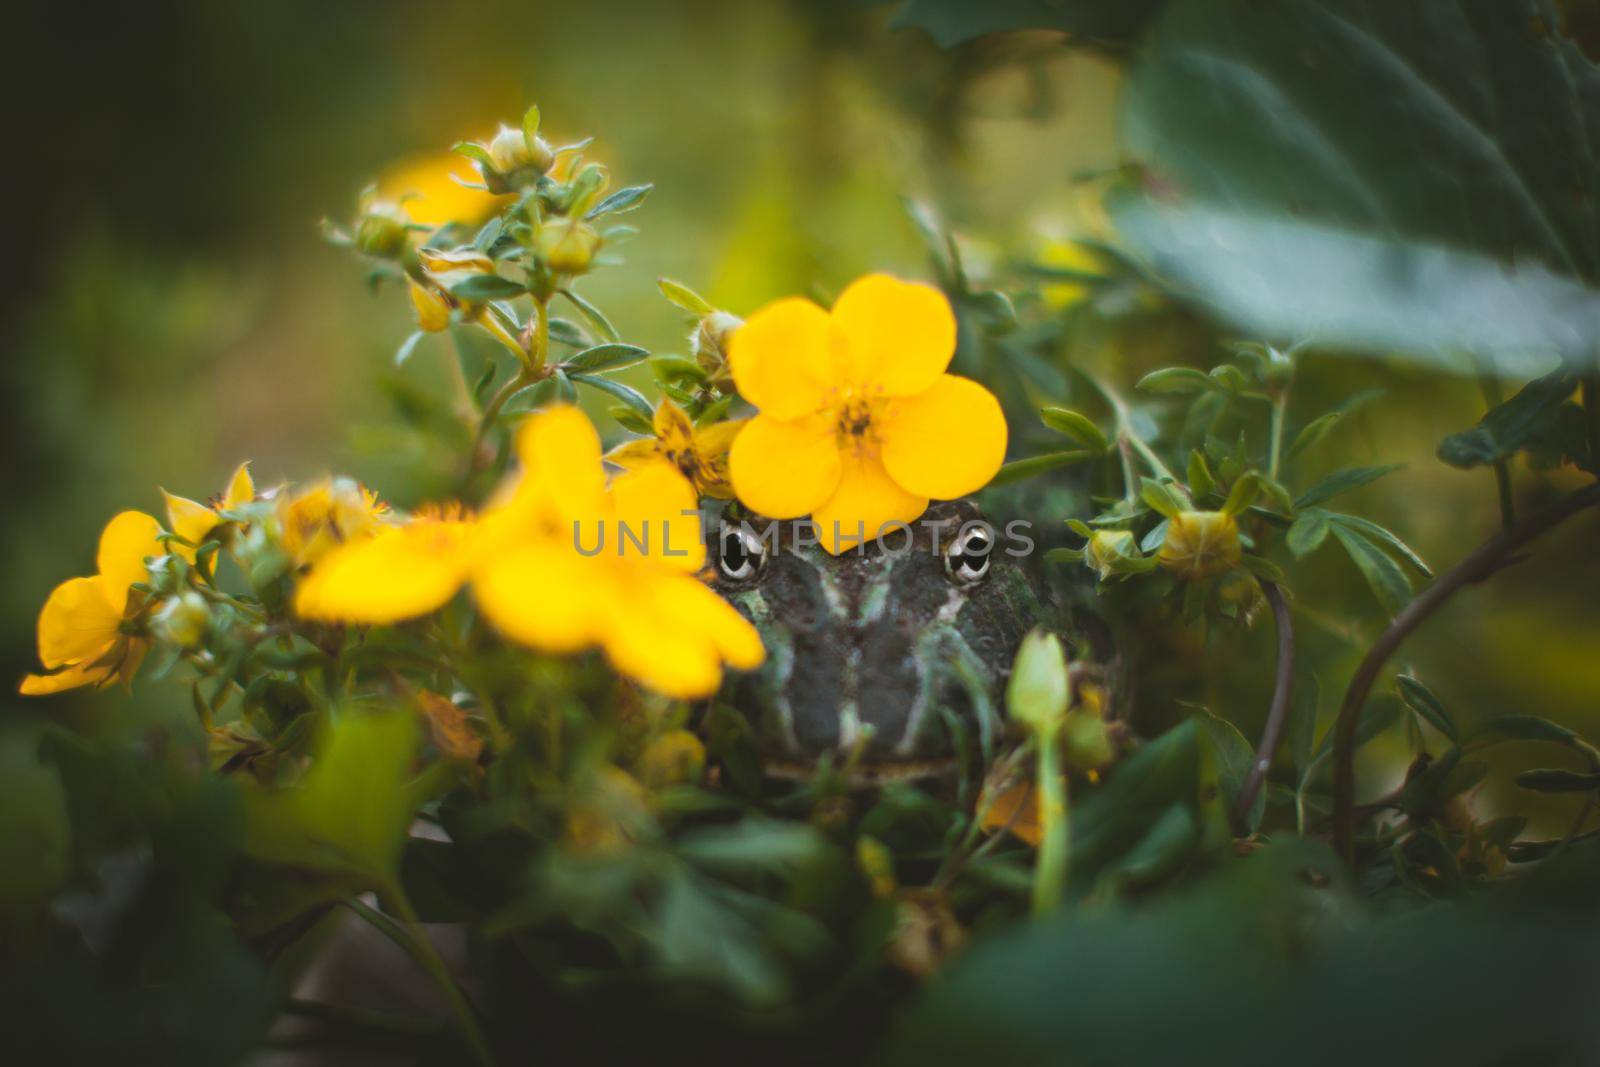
[[684, 297], [610, 356], [1342, 482], [625, 199], [1420, 699], [627, 394], [1077, 426], [1389, 583]]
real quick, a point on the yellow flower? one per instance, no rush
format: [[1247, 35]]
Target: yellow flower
[[1200, 544], [320, 518], [398, 573], [194, 521], [433, 301], [427, 189], [561, 562], [81, 636], [859, 424], [700, 454]]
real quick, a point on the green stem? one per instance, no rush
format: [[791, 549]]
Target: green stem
[[1050, 871], [1492, 398], [1280, 405], [407, 932]]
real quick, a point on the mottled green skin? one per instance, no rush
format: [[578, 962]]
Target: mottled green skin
[[882, 651]]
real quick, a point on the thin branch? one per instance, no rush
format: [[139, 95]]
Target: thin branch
[[1277, 712], [1488, 558]]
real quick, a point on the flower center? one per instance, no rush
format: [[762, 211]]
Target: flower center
[[855, 417]]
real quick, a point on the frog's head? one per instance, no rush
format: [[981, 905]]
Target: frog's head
[[890, 649]]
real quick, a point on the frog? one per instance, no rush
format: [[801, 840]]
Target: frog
[[890, 657]]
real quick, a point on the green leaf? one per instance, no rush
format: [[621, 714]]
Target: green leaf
[[481, 288], [1527, 728], [754, 845], [629, 419], [1077, 426], [1243, 493], [684, 297], [1512, 425], [408, 346], [1271, 133], [1420, 699], [1308, 532], [1200, 480], [530, 125], [566, 332], [1161, 498], [611, 356], [592, 315], [1019, 469], [1342, 482], [1383, 574], [627, 394], [1178, 381], [349, 815], [1555, 780], [473, 151], [625, 199], [1377, 533], [1313, 431]]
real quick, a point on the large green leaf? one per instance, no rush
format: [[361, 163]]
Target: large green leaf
[[1410, 176]]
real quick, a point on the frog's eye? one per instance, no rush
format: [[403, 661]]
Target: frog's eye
[[967, 558], [740, 553]]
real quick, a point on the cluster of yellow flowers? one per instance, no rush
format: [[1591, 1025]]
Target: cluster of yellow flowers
[[858, 425]]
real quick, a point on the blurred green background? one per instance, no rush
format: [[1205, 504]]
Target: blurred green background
[[173, 309]]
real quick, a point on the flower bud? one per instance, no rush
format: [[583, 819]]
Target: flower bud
[[568, 245], [433, 310], [709, 344], [1107, 551], [1039, 690], [1200, 544], [515, 160], [182, 620], [381, 231]]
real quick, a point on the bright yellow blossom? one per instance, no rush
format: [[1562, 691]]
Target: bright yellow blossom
[[561, 562], [327, 514], [428, 190], [700, 453], [81, 638], [194, 521], [859, 424]]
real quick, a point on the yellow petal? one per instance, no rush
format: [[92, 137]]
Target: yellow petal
[[79, 621], [867, 502], [544, 594], [433, 311], [241, 488], [780, 358], [80, 674], [190, 520], [647, 643], [560, 454], [946, 442], [672, 426], [660, 510], [716, 439], [711, 446], [696, 606], [901, 334], [785, 469], [126, 542], [400, 573], [635, 453]]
